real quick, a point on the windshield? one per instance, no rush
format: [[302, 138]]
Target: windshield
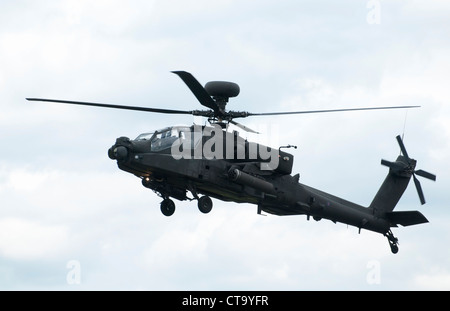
[[145, 136], [165, 138]]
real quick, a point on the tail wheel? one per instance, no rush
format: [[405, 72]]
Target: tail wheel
[[167, 207], [205, 204], [393, 241], [394, 248]]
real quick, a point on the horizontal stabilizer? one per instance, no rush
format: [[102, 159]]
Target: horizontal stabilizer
[[407, 218]]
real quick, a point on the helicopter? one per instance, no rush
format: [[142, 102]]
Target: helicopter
[[208, 161]]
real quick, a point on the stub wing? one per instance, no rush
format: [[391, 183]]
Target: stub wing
[[406, 218]]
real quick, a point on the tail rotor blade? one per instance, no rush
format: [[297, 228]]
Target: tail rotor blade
[[426, 174], [402, 146], [419, 190]]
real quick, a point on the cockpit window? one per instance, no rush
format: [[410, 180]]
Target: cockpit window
[[145, 136], [164, 140]]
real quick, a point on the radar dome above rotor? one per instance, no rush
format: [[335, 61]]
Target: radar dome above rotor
[[222, 89]]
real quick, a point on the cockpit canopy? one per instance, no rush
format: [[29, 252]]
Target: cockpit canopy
[[165, 138], [145, 136]]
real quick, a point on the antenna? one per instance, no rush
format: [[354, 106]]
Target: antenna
[[404, 124]]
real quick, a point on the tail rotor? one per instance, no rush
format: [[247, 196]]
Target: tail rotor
[[405, 166]]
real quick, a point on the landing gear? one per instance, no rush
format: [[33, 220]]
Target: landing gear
[[393, 241], [167, 207], [205, 204]]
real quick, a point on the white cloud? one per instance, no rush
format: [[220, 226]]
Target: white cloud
[[113, 17], [27, 240], [435, 8], [23, 180], [437, 279]]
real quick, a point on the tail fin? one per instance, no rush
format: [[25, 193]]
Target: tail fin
[[391, 190]]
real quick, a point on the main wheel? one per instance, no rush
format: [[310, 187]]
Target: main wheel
[[167, 207], [205, 204]]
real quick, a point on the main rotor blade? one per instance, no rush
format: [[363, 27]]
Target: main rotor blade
[[426, 174], [198, 90], [158, 110], [328, 110], [402, 146], [419, 190], [245, 128]]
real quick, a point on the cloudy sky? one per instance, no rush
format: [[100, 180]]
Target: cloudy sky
[[71, 220]]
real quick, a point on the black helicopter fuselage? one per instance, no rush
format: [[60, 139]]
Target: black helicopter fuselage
[[237, 175]]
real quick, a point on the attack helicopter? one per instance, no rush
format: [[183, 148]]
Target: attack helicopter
[[212, 162]]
